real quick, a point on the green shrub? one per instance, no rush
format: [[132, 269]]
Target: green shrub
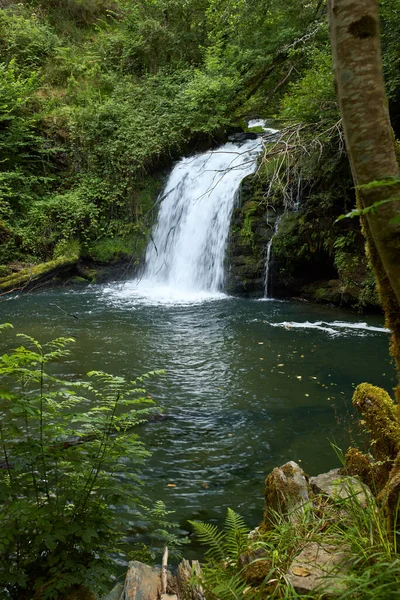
[[255, 566], [74, 214], [312, 99], [25, 39], [112, 249], [64, 447], [67, 248]]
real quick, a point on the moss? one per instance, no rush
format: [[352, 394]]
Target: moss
[[379, 413], [77, 280], [255, 572], [113, 249], [389, 301], [373, 474], [288, 470], [36, 272], [5, 271], [390, 497], [67, 247], [282, 494]]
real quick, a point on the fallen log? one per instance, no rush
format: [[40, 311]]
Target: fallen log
[[34, 274]]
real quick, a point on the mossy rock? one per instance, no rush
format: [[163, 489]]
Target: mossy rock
[[286, 494], [77, 280], [250, 207], [256, 565], [390, 496], [380, 416]]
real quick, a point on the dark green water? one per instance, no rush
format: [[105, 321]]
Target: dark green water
[[243, 396]]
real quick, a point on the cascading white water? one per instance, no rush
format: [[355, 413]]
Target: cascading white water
[[268, 258], [185, 257]]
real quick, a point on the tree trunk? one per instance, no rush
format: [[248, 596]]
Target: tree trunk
[[354, 28], [354, 31]]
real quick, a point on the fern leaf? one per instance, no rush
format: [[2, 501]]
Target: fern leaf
[[236, 535], [232, 589], [209, 535]]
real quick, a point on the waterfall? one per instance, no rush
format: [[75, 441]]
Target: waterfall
[[268, 258], [185, 256]]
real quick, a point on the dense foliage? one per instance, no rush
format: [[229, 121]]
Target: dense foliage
[[100, 96], [69, 459]]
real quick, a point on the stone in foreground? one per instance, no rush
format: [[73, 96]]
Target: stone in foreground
[[286, 492], [336, 486], [319, 567]]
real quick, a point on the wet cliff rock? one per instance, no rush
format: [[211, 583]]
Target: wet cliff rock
[[252, 227]]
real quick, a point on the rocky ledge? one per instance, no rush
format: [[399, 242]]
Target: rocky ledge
[[318, 562]]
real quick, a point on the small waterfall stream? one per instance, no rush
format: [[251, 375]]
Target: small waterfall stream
[[268, 258], [185, 257]]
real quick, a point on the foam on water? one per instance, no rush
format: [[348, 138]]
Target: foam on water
[[261, 123], [335, 328], [145, 292]]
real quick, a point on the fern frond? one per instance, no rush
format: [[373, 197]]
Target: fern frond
[[236, 535], [232, 589], [209, 535]]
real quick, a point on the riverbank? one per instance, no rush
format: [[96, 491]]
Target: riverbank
[[321, 537], [20, 278]]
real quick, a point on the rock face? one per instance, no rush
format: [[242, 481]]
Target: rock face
[[286, 492], [336, 486], [311, 258], [243, 137], [252, 228], [319, 567]]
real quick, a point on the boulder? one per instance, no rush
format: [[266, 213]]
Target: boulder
[[243, 137], [336, 486], [319, 567], [286, 492], [255, 565]]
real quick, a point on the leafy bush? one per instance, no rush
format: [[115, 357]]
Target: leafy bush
[[25, 39], [69, 457], [312, 99], [20, 145], [112, 249], [74, 214], [82, 12], [222, 575]]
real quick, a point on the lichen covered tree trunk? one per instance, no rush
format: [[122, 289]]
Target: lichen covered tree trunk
[[354, 30]]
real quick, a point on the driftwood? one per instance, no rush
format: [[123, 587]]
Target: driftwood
[[186, 589], [149, 583], [141, 583]]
